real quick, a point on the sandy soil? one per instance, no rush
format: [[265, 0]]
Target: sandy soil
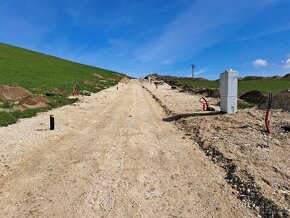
[[111, 155], [262, 161]]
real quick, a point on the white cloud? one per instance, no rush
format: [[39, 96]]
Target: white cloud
[[287, 64], [260, 63]]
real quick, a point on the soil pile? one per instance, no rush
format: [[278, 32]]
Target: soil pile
[[199, 79], [280, 101], [256, 163], [255, 97], [124, 80], [34, 101], [12, 93], [97, 75], [24, 99], [207, 92]]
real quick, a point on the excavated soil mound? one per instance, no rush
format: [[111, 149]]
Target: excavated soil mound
[[34, 101], [207, 92], [255, 97], [12, 93], [200, 79], [124, 80], [25, 99], [97, 75], [280, 101]]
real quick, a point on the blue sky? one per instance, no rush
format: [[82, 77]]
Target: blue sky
[[139, 37]]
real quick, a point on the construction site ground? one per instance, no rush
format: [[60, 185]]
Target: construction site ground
[[257, 163], [122, 153]]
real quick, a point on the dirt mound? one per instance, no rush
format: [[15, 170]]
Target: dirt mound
[[12, 93], [124, 80], [34, 101], [280, 101], [255, 97], [207, 92], [89, 83], [199, 79], [98, 75]]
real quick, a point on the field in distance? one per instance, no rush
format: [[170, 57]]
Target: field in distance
[[264, 84]]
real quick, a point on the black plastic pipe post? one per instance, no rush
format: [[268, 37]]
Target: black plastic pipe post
[[51, 122]]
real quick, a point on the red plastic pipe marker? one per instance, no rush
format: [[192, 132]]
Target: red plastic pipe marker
[[267, 117], [204, 103]]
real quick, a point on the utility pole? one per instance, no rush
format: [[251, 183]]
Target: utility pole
[[192, 70]]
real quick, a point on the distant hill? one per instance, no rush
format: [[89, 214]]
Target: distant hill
[[273, 84]]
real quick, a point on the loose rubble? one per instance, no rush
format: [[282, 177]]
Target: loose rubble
[[256, 164]]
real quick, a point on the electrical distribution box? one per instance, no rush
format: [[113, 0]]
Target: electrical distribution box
[[229, 91]]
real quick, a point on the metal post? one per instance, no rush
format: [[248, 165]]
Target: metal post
[[51, 122]]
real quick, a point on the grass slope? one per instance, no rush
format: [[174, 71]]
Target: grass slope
[[40, 73]]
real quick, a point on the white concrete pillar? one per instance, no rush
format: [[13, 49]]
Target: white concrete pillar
[[229, 91]]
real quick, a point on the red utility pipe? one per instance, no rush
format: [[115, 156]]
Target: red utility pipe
[[204, 104], [267, 117]]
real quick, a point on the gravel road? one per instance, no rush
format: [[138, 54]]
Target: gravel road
[[111, 155]]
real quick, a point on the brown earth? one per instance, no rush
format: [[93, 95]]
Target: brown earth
[[280, 101], [111, 155], [98, 75], [200, 79], [13, 93], [23, 98], [34, 101], [256, 97], [124, 80]]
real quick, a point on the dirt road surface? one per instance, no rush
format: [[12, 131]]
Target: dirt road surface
[[111, 155]]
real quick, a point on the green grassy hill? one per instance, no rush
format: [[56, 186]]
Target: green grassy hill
[[40, 74]]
